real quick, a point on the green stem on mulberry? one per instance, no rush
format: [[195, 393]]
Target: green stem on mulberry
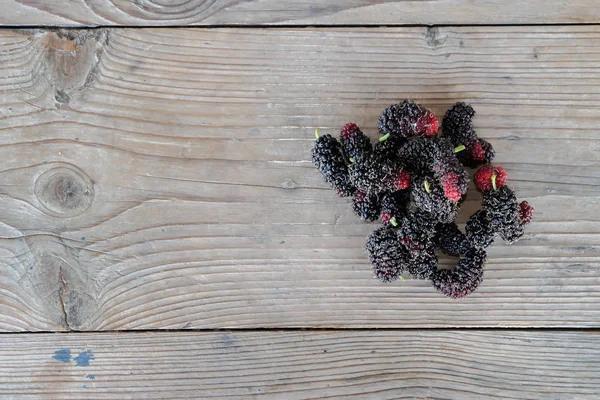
[[460, 148], [317, 133], [393, 221], [352, 160], [427, 187], [384, 137], [401, 278], [494, 181]]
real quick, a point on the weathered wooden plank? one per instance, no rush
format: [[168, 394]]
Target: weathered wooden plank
[[162, 178], [301, 365], [295, 12]]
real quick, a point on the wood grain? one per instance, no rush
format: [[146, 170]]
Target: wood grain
[[295, 12], [161, 178], [301, 365]]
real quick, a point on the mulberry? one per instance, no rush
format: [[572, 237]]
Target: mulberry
[[394, 205], [428, 196], [421, 153], [477, 153], [328, 158], [372, 175], [366, 205], [450, 240], [488, 177], [513, 233], [355, 144], [366, 175], [452, 176], [388, 148], [464, 279], [423, 264], [458, 127], [458, 124], [526, 212], [401, 180], [408, 119], [480, 233], [416, 231], [504, 213], [386, 254]]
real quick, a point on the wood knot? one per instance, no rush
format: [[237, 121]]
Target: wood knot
[[64, 191], [434, 38], [72, 60], [289, 184]]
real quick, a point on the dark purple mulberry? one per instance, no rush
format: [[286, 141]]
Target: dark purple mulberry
[[374, 176], [423, 264], [421, 153], [386, 254], [355, 145], [458, 124], [328, 158], [450, 240], [504, 213], [464, 279], [389, 148], [408, 119], [394, 205], [416, 231], [366, 205], [480, 233]]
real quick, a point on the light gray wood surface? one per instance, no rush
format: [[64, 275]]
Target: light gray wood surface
[[161, 178], [290, 12], [410, 364]]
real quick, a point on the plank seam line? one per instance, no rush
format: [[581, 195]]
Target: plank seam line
[[590, 330], [290, 26]]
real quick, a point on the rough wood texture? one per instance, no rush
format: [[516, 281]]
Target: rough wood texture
[[299, 12], [161, 178], [295, 365]]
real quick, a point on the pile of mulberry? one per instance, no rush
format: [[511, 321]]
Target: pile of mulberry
[[413, 179]]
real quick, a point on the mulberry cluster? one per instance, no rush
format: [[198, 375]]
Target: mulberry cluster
[[413, 180]]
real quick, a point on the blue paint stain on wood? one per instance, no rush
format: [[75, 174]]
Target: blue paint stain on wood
[[90, 377], [83, 386], [83, 359], [62, 355]]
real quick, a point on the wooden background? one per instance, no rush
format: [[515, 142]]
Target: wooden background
[[159, 179]]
